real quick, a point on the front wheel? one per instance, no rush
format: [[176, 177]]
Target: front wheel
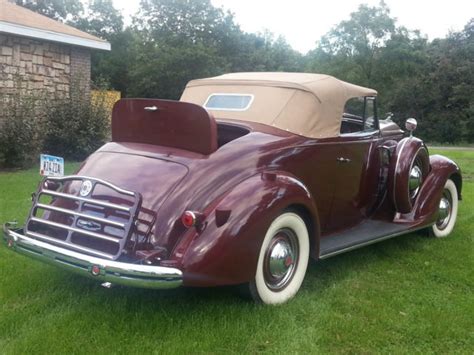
[[282, 261], [447, 211]]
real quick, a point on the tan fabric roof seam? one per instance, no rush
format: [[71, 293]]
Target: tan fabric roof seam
[[281, 111]]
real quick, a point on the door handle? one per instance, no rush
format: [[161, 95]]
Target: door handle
[[343, 160]]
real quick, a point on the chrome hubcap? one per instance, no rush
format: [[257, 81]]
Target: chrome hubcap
[[444, 210], [414, 181], [280, 260]]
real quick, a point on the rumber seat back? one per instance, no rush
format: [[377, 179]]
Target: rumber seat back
[[163, 122]]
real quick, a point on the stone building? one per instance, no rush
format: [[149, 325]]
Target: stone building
[[41, 54]]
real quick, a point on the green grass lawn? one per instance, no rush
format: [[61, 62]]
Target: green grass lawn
[[411, 294]]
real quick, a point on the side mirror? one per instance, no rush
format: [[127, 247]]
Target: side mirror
[[410, 125]]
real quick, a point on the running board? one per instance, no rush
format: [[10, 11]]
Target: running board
[[366, 233]]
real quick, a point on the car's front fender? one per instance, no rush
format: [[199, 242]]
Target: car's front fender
[[226, 250]]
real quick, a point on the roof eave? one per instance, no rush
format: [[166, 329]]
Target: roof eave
[[45, 35]]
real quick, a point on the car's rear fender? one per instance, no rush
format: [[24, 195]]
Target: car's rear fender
[[425, 209], [226, 251]]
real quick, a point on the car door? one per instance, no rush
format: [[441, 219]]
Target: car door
[[357, 171]]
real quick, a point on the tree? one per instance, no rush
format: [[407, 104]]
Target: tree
[[176, 41], [179, 40], [451, 84], [60, 10], [112, 69], [193, 21], [370, 50], [356, 43], [100, 18], [161, 70], [432, 82], [262, 52]]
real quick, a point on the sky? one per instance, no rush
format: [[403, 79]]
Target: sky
[[303, 22]]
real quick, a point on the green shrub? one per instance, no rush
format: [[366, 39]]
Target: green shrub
[[21, 125], [71, 126], [75, 126]]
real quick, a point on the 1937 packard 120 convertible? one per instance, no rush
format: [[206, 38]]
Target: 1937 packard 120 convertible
[[239, 183]]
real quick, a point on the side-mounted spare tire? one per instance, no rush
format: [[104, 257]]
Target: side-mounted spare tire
[[409, 167]]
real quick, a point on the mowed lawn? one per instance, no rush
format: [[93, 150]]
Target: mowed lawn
[[411, 294]]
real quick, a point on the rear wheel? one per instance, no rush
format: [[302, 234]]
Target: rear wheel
[[282, 261], [447, 211]]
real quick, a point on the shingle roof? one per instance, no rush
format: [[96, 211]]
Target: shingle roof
[[18, 20]]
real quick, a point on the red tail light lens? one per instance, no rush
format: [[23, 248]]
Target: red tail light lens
[[189, 219], [95, 270]]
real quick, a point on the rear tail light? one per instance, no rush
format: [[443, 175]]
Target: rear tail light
[[189, 219], [193, 219], [95, 270]]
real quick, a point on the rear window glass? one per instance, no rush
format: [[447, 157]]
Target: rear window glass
[[229, 102]]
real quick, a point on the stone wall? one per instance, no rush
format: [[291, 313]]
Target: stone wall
[[81, 68], [37, 66]]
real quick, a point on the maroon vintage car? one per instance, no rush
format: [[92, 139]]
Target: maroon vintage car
[[239, 183]]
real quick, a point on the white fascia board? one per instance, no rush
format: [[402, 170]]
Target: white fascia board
[[45, 35]]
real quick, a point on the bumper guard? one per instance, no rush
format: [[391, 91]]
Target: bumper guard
[[114, 272]]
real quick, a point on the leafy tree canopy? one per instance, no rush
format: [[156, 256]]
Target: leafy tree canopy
[[184, 20], [100, 18]]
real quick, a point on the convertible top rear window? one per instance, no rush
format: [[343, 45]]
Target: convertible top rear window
[[229, 102]]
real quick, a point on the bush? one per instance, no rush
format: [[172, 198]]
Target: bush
[[76, 126], [21, 123], [71, 127]]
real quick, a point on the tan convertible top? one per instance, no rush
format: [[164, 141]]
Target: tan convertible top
[[307, 104]]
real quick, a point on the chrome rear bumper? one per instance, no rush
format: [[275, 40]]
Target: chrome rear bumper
[[114, 272]]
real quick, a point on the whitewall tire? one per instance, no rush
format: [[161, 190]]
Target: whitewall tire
[[282, 261], [448, 211]]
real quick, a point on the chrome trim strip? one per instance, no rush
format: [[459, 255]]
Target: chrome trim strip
[[395, 172], [87, 200], [295, 181], [100, 181], [369, 242], [76, 230], [78, 214], [411, 167], [115, 272], [72, 246]]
